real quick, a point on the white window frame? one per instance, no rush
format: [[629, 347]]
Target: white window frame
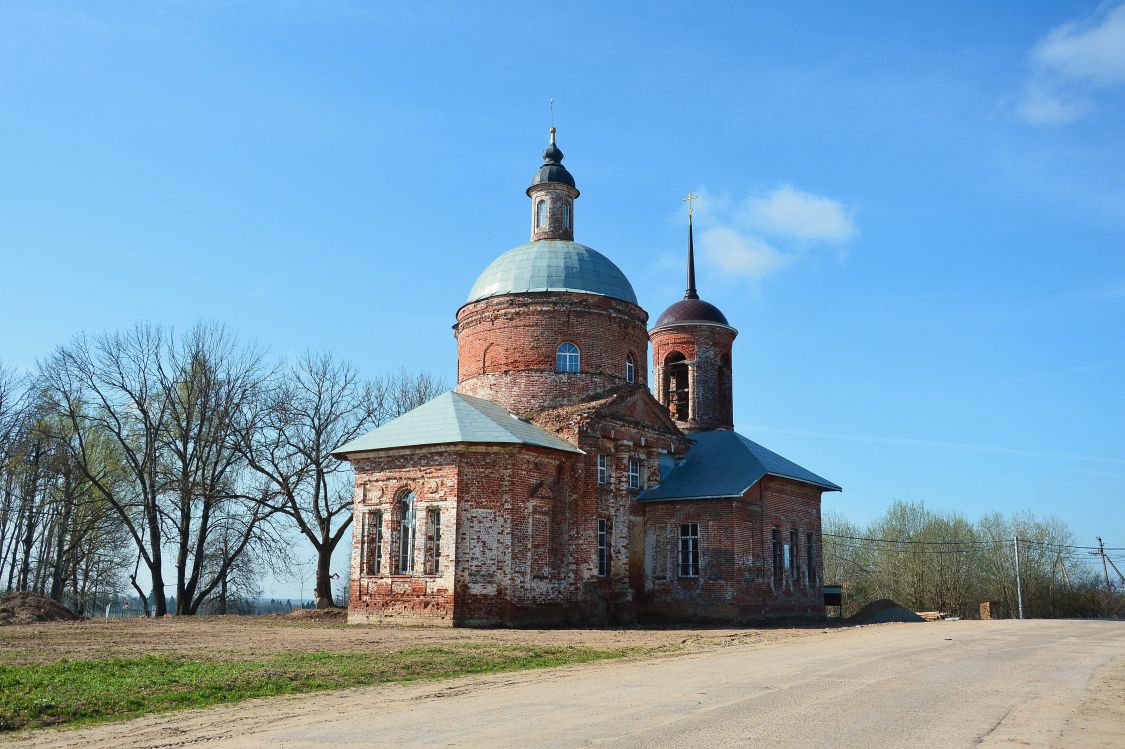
[[630, 369], [634, 473], [568, 360], [603, 469], [566, 215], [540, 214]]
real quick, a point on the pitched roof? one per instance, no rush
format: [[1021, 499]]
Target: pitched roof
[[723, 463], [453, 418]]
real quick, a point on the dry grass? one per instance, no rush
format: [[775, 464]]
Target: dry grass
[[236, 638]]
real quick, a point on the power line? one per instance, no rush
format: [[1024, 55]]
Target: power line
[[992, 542]]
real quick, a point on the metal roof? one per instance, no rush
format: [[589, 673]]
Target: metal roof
[[687, 311], [723, 463], [453, 418], [550, 265]]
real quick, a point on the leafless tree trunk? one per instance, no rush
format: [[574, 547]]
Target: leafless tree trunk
[[108, 389]]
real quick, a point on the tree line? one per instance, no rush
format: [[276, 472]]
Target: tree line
[[939, 561], [193, 455]]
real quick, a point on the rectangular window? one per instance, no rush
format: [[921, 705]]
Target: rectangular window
[[433, 541], [603, 469], [372, 554], [775, 535], [406, 542], [603, 547], [634, 473], [791, 563], [689, 550], [810, 553]]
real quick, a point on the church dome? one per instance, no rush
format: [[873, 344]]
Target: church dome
[[689, 311], [551, 265], [552, 170]]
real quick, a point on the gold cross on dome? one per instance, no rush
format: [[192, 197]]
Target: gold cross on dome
[[688, 200]]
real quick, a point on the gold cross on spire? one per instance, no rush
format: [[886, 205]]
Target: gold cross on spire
[[688, 200]]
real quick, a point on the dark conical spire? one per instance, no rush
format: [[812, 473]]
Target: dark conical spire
[[691, 292]]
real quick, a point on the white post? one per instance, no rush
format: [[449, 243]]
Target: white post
[[1019, 586]]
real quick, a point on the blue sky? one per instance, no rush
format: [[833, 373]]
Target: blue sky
[[915, 216]]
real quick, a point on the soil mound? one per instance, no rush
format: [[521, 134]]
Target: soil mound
[[30, 608], [322, 615], [882, 611]]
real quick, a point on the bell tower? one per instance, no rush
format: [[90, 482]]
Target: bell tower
[[552, 194], [691, 357]]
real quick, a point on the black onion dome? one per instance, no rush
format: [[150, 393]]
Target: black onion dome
[[687, 311], [552, 169]]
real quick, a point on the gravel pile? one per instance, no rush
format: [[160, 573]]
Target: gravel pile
[[883, 611]]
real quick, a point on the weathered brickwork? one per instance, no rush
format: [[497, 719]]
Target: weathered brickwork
[[706, 352], [557, 213], [515, 534], [736, 580], [506, 347]]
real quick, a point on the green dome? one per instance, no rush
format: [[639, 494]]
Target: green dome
[[552, 266]]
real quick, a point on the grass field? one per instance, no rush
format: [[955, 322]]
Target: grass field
[[82, 691]]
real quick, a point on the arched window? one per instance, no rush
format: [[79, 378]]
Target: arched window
[[566, 215], [630, 369], [567, 358], [677, 394], [541, 213], [406, 517]]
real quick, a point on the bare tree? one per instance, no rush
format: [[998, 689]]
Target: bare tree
[[209, 384], [110, 388], [316, 405]]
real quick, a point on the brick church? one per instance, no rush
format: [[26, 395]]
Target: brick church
[[553, 486]]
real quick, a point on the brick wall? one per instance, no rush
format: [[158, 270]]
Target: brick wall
[[736, 580], [559, 198], [506, 347], [707, 350]]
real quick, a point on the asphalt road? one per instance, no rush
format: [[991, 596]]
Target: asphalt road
[[945, 684]]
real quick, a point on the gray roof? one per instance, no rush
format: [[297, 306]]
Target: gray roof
[[723, 463], [453, 418], [550, 265]]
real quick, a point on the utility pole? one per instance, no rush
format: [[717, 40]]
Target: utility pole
[[1105, 569], [1019, 585]]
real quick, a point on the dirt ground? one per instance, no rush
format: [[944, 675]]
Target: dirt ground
[[945, 684], [245, 637]]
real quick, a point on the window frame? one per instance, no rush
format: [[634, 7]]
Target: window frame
[[565, 359], [603, 468], [688, 558], [371, 556], [794, 561], [776, 555], [407, 531], [433, 540], [604, 553], [566, 215], [630, 369], [635, 473], [541, 214], [810, 554]]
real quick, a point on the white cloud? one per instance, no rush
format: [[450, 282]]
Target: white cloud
[[801, 215], [1040, 105], [1091, 50], [1070, 64], [759, 235], [739, 253]]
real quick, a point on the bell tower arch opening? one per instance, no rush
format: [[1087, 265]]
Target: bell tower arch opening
[[677, 386]]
